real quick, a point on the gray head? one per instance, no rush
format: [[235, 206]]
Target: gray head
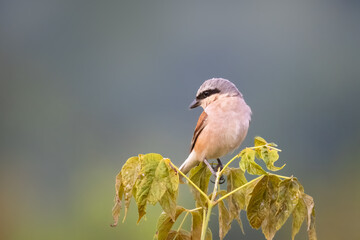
[[212, 89]]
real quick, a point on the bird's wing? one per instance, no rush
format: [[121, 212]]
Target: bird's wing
[[199, 127]]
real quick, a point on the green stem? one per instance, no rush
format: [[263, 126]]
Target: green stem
[[281, 176], [182, 222], [237, 189], [227, 164], [211, 203], [191, 182], [195, 209]]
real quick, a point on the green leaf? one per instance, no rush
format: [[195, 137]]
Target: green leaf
[[270, 156], [130, 173], [168, 200], [179, 235], [261, 209], [236, 201], [259, 141], [299, 214], [310, 205], [119, 191], [196, 225], [247, 162], [200, 175], [224, 220], [288, 199], [156, 177], [124, 185], [165, 223], [268, 226]]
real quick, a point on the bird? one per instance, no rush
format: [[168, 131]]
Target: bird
[[221, 127]]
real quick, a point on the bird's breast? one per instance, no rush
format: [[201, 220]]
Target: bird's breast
[[228, 123]]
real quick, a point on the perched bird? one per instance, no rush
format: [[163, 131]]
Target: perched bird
[[221, 127]]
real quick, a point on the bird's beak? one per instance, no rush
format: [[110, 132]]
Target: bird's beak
[[194, 104]]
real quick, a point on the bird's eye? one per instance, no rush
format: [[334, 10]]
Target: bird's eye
[[206, 93]]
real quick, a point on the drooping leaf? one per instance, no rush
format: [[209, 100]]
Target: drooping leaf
[[268, 226], [288, 198], [156, 177], [124, 185], [165, 223], [261, 209], [200, 175], [236, 201], [247, 162], [168, 203], [196, 225], [224, 220], [119, 191], [299, 214], [310, 206], [270, 156], [179, 235], [168, 200], [130, 173]]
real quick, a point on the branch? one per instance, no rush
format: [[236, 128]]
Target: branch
[[191, 182]]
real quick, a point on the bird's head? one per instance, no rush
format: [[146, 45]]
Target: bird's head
[[212, 90]]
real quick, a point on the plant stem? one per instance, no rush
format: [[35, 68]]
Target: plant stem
[[191, 182], [237, 189], [182, 222], [227, 164], [211, 203], [282, 176], [195, 209]]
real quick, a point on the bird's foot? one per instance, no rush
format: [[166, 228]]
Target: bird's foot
[[215, 169]]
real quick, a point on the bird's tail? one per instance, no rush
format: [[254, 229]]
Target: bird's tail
[[188, 164]]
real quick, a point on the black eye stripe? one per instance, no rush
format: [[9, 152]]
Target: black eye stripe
[[207, 93]]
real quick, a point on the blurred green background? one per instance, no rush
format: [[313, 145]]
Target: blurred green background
[[86, 84]]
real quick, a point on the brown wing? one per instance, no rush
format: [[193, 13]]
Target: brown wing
[[198, 129]]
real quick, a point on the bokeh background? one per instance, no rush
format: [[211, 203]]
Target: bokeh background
[[86, 84]]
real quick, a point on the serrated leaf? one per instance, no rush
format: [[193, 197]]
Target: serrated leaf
[[165, 223], [247, 162], [130, 173], [200, 175], [124, 185], [156, 177], [224, 220], [268, 226], [270, 156], [262, 208], [168, 203], [168, 200], [119, 191], [299, 214], [287, 200], [180, 235], [196, 224], [310, 205], [236, 201]]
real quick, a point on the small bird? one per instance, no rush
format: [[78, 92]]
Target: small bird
[[221, 127]]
